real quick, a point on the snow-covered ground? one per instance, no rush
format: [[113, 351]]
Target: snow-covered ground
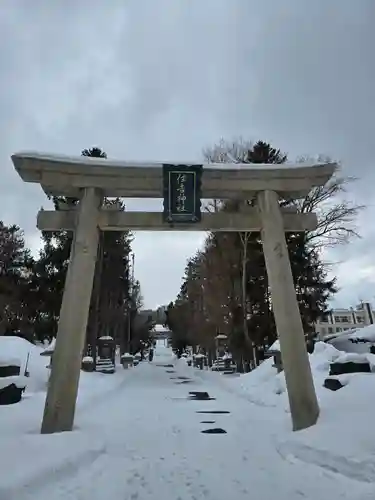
[[138, 436], [344, 432], [354, 340]]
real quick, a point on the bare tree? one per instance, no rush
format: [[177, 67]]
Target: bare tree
[[235, 151], [337, 212]]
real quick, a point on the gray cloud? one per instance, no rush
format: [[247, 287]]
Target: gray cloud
[[150, 80]]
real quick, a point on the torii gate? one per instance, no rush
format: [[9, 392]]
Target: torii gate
[[182, 187]]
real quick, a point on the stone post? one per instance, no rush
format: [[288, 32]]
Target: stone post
[[63, 384], [301, 392]]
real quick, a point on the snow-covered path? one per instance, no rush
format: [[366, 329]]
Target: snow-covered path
[[144, 441]]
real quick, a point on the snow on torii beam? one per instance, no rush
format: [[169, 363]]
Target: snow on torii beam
[[66, 176]]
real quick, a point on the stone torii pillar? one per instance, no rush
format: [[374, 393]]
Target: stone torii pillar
[[303, 402], [66, 367]]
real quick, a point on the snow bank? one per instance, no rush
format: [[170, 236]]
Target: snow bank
[[356, 357], [266, 387], [357, 340], [366, 333], [17, 349], [345, 427], [18, 381], [344, 432], [8, 360]]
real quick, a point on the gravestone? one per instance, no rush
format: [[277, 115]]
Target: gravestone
[[12, 384]]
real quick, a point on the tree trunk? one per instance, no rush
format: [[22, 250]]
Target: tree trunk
[[97, 301], [248, 340]]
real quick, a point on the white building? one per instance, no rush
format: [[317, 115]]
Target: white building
[[341, 320]]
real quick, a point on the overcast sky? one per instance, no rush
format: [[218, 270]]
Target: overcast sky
[[161, 79]]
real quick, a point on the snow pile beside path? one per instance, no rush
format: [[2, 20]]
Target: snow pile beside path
[[357, 340], [267, 387], [16, 349], [344, 431], [18, 381], [345, 426], [343, 439], [356, 357], [367, 333], [320, 360]]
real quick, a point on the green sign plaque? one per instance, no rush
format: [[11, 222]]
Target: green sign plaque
[[182, 193]]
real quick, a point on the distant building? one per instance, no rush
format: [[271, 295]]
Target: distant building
[[146, 313], [157, 315], [160, 332], [341, 320]]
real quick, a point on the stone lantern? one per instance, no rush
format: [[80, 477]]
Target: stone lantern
[[221, 344]]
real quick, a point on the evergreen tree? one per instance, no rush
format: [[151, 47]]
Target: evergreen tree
[[110, 296], [48, 281], [94, 152], [16, 304], [177, 323]]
